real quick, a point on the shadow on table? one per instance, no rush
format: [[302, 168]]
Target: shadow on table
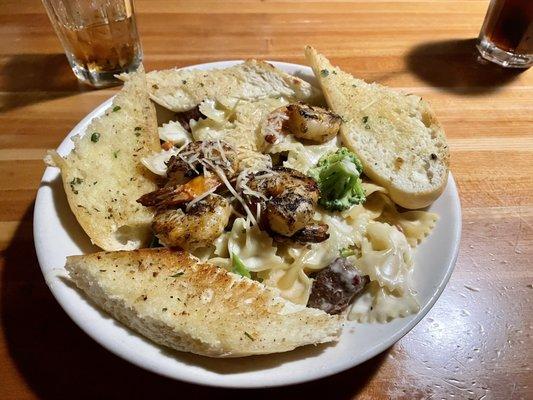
[[31, 78], [57, 360], [456, 66]]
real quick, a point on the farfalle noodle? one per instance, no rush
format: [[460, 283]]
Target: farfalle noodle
[[293, 283], [385, 257], [378, 304], [415, 225]]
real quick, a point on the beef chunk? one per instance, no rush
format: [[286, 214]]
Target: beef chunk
[[336, 286]]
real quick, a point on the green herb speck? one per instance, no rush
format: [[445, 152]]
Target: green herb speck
[[365, 121], [164, 309], [347, 252], [116, 108], [184, 82], [95, 137], [177, 274], [324, 73], [238, 266], [249, 336], [115, 153]]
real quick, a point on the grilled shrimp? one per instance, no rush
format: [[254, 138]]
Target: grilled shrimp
[[193, 159], [176, 195], [311, 123], [197, 227], [312, 233], [289, 199]]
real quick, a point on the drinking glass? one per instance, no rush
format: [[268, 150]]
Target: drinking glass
[[100, 37], [506, 37]]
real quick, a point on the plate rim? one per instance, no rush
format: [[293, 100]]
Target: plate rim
[[130, 357]]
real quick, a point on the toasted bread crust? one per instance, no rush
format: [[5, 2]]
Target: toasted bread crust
[[176, 301], [183, 89], [103, 175], [397, 137]]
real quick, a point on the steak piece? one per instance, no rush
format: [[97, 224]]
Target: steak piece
[[336, 286]]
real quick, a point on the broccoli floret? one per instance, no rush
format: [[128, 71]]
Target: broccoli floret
[[337, 175]]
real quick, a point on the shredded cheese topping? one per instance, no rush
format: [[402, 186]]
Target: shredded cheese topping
[[200, 198], [226, 182]]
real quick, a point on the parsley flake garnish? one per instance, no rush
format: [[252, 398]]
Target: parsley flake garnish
[[249, 336], [116, 108], [75, 181], [177, 274], [324, 73], [95, 137]]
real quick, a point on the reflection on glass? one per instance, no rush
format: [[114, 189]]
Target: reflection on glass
[[506, 37], [99, 37]]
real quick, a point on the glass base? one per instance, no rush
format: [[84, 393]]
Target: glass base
[[100, 79], [490, 52]]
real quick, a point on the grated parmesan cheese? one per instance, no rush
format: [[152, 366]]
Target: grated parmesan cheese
[[200, 197], [226, 182]]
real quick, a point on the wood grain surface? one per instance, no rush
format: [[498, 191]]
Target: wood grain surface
[[474, 344]]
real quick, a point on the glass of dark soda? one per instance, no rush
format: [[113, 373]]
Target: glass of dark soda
[[506, 37]]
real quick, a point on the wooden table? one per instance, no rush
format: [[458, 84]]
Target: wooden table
[[475, 343]]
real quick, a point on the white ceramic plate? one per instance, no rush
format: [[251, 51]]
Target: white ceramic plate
[[57, 235]]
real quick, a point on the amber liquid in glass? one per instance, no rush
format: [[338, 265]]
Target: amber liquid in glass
[[510, 25], [104, 48], [100, 37]]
